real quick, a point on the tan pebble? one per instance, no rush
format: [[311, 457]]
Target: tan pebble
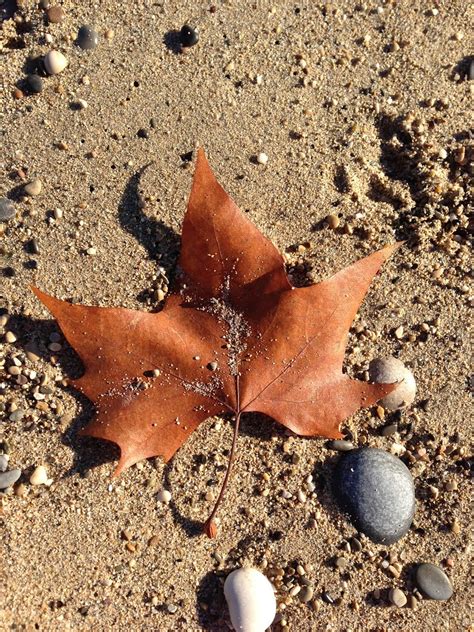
[[10, 337], [455, 527], [109, 34], [40, 476], [33, 188], [399, 331], [55, 62], [262, 158], [154, 540], [333, 221], [397, 597]]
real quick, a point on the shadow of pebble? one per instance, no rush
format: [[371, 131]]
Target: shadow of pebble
[[211, 603], [172, 41]]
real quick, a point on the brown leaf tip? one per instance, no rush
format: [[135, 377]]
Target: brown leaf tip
[[210, 529]]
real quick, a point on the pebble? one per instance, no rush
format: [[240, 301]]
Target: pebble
[[87, 38], [251, 600], [387, 371], [341, 445], [376, 489], [470, 74], [34, 83], [7, 210], [10, 337], [433, 582], [55, 62], [33, 188], [55, 14], [188, 36], [3, 462], [333, 221], [40, 476], [164, 496], [397, 597], [7, 479], [262, 158]]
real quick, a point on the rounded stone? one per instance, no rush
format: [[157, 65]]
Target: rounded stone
[[397, 597], [188, 36], [164, 496], [34, 83], [390, 370], [251, 600], [7, 210], [55, 14], [7, 479], [376, 489], [87, 38], [33, 188], [54, 62], [433, 582]]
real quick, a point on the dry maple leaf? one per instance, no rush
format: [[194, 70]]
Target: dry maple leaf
[[234, 336]]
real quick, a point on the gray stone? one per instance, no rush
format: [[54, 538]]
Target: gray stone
[[3, 462], [7, 479], [341, 445], [87, 38], [376, 489], [433, 582], [7, 210]]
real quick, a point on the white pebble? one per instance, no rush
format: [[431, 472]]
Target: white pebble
[[82, 104], [164, 496], [262, 158], [251, 600], [55, 62], [390, 370], [40, 476]]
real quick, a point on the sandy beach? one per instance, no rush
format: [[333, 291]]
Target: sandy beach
[[364, 112]]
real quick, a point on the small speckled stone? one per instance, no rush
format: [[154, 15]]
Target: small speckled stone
[[433, 582], [7, 210], [7, 479], [397, 597], [40, 476], [376, 489], [87, 38]]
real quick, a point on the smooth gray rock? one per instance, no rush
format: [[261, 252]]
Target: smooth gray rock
[[87, 38], [433, 582], [7, 210], [3, 462], [376, 489], [7, 479]]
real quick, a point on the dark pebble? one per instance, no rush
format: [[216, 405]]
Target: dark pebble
[[43, 4], [376, 489], [341, 445], [433, 582], [388, 431], [188, 36], [34, 83], [7, 210], [87, 38], [143, 133], [33, 247]]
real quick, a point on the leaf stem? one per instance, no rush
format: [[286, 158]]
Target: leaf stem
[[238, 413]]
